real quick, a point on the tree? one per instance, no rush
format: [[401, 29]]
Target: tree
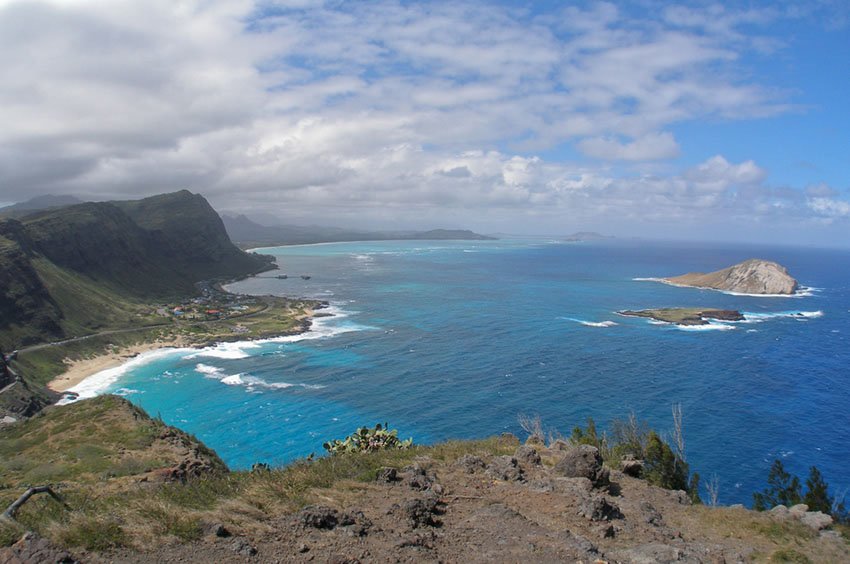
[[662, 467], [783, 489], [817, 492]]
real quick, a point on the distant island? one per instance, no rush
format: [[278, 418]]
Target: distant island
[[686, 316], [586, 236], [248, 233], [754, 276]]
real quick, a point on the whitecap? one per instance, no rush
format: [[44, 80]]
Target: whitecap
[[210, 371], [760, 317], [229, 351], [97, 383], [706, 327], [591, 323]]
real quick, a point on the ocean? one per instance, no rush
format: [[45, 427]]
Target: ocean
[[454, 339]]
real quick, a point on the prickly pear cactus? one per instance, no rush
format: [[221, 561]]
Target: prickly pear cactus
[[367, 439]]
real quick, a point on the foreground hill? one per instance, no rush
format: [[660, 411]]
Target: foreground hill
[[248, 234], [82, 267], [754, 276], [139, 491]]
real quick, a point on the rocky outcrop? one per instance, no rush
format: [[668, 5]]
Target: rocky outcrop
[[32, 548], [686, 316], [754, 276], [583, 461]]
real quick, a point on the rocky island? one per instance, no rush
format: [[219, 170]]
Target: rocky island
[[754, 276], [686, 316]]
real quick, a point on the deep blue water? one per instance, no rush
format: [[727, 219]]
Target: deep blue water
[[454, 339]]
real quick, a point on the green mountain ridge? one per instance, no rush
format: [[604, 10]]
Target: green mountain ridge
[[248, 233], [79, 267]]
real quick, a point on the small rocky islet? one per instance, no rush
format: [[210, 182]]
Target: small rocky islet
[[753, 276], [686, 316]]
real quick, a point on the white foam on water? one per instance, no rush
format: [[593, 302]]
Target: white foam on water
[[706, 327], [322, 327], [232, 351], [753, 317], [591, 323], [97, 383]]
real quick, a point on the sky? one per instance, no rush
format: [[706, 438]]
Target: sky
[[697, 120]]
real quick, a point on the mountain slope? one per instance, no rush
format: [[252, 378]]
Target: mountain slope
[[38, 203], [91, 265]]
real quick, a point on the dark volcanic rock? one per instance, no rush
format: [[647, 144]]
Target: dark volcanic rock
[[583, 461], [32, 549], [470, 463], [242, 547], [418, 478], [527, 455], [387, 475], [505, 468], [631, 467], [319, 517], [420, 512], [600, 509]]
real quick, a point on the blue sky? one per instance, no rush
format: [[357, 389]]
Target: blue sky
[[696, 120]]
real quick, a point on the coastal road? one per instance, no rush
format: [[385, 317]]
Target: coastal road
[[266, 306]]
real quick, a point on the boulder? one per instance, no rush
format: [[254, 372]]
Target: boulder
[[387, 475], [33, 548], [816, 520], [420, 512], [470, 463], [319, 517], [560, 444], [798, 510], [505, 468], [527, 455], [583, 461], [631, 466], [599, 509]]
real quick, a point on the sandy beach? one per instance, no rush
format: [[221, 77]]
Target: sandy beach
[[79, 370]]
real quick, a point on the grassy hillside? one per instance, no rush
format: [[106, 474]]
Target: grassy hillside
[[118, 472], [92, 266]]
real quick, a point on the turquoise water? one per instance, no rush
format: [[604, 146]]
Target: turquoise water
[[454, 339]]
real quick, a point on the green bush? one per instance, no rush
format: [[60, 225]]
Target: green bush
[[368, 440], [785, 489]]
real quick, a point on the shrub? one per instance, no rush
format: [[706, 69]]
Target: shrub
[[366, 439], [662, 467], [783, 489]]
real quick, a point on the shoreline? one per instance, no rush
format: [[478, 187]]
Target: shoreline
[[78, 371]]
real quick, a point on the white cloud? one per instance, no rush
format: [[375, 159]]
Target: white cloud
[[652, 146], [830, 207], [376, 109]]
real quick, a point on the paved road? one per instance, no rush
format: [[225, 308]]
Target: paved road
[[32, 348]]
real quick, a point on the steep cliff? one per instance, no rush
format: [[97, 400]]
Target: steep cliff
[[78, 267]]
